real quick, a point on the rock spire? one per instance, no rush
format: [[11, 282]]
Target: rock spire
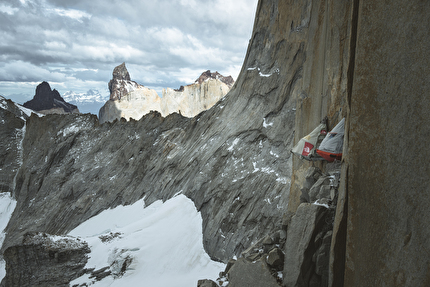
[[47, 101], [121, 84]]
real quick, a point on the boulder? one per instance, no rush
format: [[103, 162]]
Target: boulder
[[275, 259], [246, 273], [312, 175], [45, 260]]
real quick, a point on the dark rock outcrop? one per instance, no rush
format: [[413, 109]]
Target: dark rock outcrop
[[47, 101], [121, 84], [45, 260]]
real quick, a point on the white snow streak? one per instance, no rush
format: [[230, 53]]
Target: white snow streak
[[235, 142], [321, 204], [261, 74], [265, 124]]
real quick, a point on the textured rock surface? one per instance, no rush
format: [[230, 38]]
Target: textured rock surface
[[44, 260], [326, 32], [47, 101], [389, 128], [306, 60], [206, 283]]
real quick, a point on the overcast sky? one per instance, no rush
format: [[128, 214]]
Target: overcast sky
[[75, 44]]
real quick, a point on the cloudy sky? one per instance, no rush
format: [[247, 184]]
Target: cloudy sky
[[75, 44]]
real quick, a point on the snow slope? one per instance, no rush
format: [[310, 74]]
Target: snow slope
[[7, 206], [164, 241]]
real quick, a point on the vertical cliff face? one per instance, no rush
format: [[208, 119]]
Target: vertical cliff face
[[324, 87], [365, 60], [389, 128]]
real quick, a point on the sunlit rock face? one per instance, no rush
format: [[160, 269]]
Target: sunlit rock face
[[192, 99], [132, 105], [130, 100]]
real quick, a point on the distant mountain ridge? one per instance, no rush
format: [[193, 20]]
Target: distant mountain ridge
[[88, 102], [91, 96]]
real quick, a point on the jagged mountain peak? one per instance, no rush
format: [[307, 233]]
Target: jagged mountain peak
[[208, 75], [120, 73], [121, 83], [48, 101]]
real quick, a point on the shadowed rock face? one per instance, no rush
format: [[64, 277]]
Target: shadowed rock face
[[389, 130], [48, 101]]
